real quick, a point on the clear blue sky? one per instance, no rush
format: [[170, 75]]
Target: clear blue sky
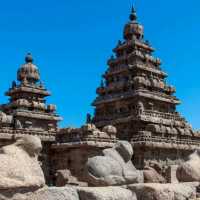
[[72, 39]]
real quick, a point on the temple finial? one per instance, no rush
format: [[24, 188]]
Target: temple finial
[[133, 15], [29, 58], [132, 9]]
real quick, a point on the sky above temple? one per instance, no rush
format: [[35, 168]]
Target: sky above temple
[[72, 40]]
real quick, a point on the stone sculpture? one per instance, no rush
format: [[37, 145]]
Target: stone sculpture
[[110, 130], [5, 119], [140, 108], [64, 177], [19, 166], [189, 171], [17, 124], [14, 84], [88, 118], [114, 168], [152, 173]]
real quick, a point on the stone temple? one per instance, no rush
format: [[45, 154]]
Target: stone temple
[[135, 98], [133, 103]]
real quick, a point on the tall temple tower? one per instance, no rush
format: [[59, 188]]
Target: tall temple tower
[[26, 111], [135, 98]]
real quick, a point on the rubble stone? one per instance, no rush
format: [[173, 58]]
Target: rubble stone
[[106, 193], [156, 191]]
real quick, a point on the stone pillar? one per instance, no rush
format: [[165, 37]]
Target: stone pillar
[[171, 174]]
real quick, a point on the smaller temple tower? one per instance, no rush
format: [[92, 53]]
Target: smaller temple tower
[[27, 109], [26, 113]]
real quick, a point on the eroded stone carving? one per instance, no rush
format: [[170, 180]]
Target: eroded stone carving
[[114, 168], [19, 167], [153, 173], [90, 131], [110, 130], [140, 108], [64, 177], [5, 119], [189, 171], [17, 124]]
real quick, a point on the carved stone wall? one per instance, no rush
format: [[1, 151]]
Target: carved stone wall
[[165, 157]]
